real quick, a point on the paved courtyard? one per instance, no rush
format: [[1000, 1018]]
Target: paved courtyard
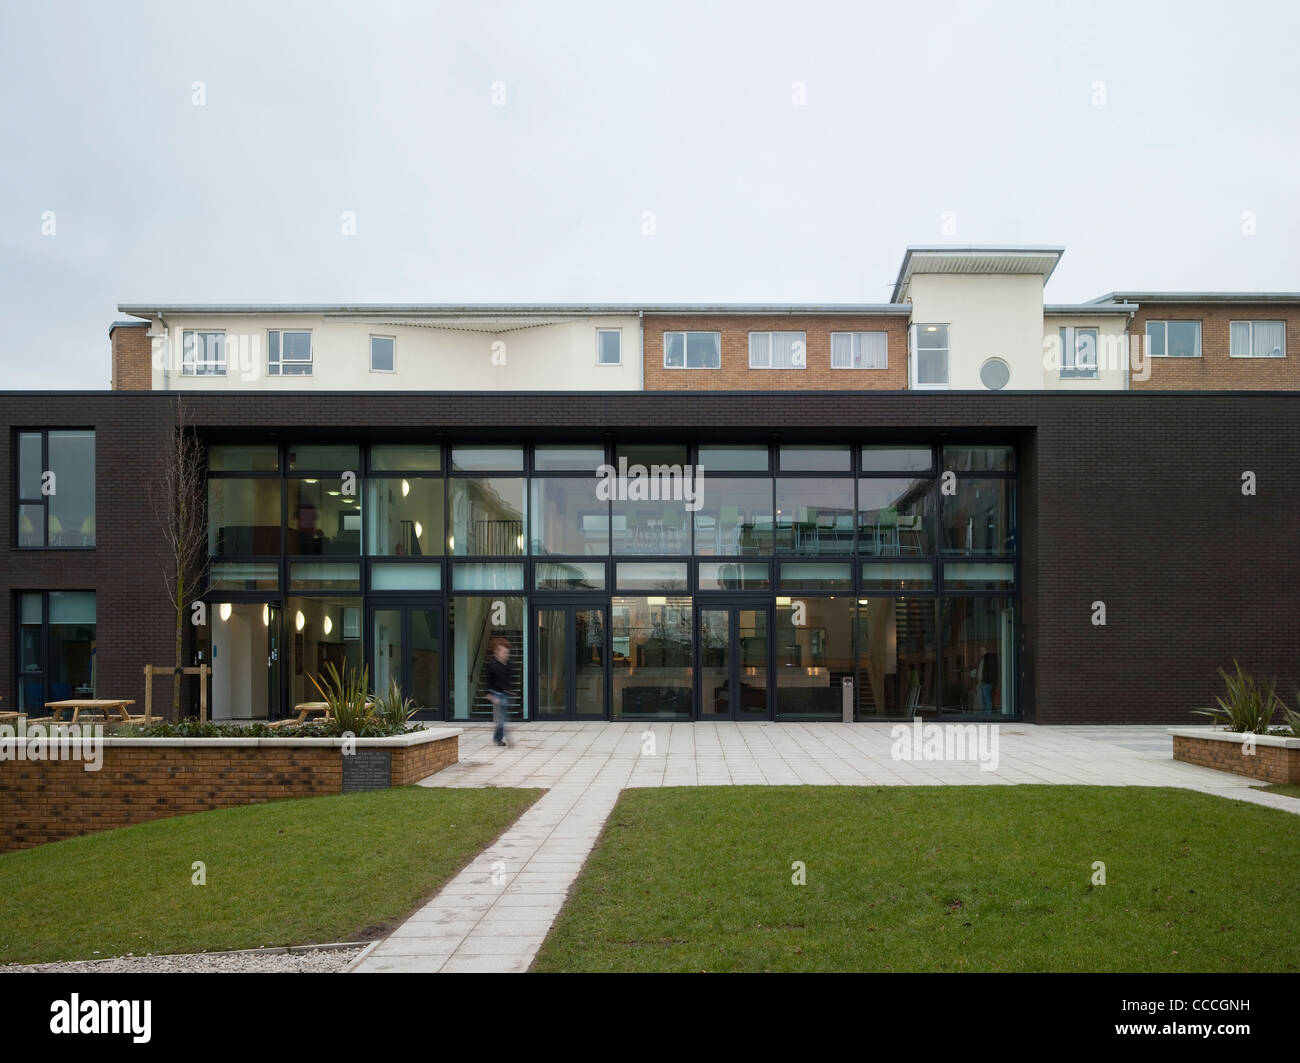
[[494, 915]]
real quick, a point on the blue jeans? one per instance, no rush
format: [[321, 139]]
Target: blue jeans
[[500, 712]]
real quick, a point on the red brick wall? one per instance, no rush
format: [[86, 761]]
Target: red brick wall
[[45, 801], [735, 374], [1216, 370], [132, 359], [1275, 764]]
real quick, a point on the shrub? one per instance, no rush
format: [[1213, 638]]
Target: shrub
[[1248, 707], [349, 702], [393, 709]]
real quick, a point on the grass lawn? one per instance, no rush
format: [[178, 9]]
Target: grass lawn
[[912, 878], [1290, 789], [284, 873]]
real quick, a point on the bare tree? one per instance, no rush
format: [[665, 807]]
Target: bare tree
[[179, 505]]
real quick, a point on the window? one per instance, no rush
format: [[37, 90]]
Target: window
[[1174, 339], [859, 350], [381, 354], [930, 356], [1257, 339], [288, 353], [1078, 353], [609, 346], [56, 489], [692, 350], [778, 350], [56, 647], [203, 353]]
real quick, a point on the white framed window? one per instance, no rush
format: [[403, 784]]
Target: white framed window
[[1174, 339], [288, 353], [692, 350], [778, 350], [1257, 339], [203, 353], [383, 354], [609, 346], [929, 356], [1078, 353], [859, 350]]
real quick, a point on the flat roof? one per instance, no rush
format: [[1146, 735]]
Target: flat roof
[[480, 310], [974, 259], [1199, 297]]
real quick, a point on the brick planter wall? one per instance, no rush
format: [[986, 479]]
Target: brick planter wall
[[144, 779], [1275, 760]]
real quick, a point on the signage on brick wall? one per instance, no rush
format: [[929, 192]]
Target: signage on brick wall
[[367, 769]]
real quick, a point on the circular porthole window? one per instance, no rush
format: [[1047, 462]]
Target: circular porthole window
[[994, 374]]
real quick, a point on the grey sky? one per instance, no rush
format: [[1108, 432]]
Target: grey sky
[[613, 109]]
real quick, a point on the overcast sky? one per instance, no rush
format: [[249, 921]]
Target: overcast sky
[[623, 152]]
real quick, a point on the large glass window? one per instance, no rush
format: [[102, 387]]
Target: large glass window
[[1174, 339], [978, 655], [1257, 339], [568, 517], [735, 517], [236, 457], [980, 517], [243, 517], [692, 350], [475, 621], [651, 527], [322, 520], [56, 648], [487, 516], [652, 658], [896, 657], [322, 631], [404, 516], [814, 516], [56, 489], [896, 517], [814, 656]]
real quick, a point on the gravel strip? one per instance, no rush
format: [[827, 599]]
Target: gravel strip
[[317, 961]]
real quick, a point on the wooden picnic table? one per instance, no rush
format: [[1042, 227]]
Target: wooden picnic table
[[106, 707], [305, 710]]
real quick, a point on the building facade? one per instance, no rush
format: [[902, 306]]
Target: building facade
[[854, 554]]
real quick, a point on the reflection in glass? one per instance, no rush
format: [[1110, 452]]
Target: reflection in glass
[[568, 517], [896, 517], [735, 517], [813, 657], [321, 631], [243, 517], [322, 520], [896, 657], [474, 622], [487, 516], [404, 517], [980, 517], [72, 505], [814, 516], [652, 660], [978, 655]]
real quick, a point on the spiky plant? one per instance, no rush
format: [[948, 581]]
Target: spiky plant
[[1247, 707]]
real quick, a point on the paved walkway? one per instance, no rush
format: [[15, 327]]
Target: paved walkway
[[494, 915]]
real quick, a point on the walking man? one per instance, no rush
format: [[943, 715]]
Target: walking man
[[501, 681]]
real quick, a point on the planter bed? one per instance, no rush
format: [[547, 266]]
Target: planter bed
[[1276, 758], [142, 779]]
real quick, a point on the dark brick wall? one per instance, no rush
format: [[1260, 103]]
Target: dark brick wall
[[1130, 498]]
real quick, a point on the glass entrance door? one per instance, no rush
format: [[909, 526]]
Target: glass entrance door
[[571, 651], [406, 646], [734, 656], [244, 652]]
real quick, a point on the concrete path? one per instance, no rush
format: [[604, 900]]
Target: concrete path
[[494, 915]]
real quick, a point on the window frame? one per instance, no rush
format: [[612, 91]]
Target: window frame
[[309, 362], [769, 333], [1069, 338], [684, 333], [43, 500], [914, 356], [1165, 323], [43, 643], [617, 331], [380, 336], [190, 368], [856, 341], [1251, 323]]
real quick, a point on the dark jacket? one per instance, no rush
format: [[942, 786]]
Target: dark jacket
[[501, 676]]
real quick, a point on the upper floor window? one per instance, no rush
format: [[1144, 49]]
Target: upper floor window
[[203, 353], [56, 489], [692, 350], [778, 350], [1174, 339], [382, 354], [1257, 339], [609, 346], [859, 350], [1078, 353], [929, 356], [288, 353]]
